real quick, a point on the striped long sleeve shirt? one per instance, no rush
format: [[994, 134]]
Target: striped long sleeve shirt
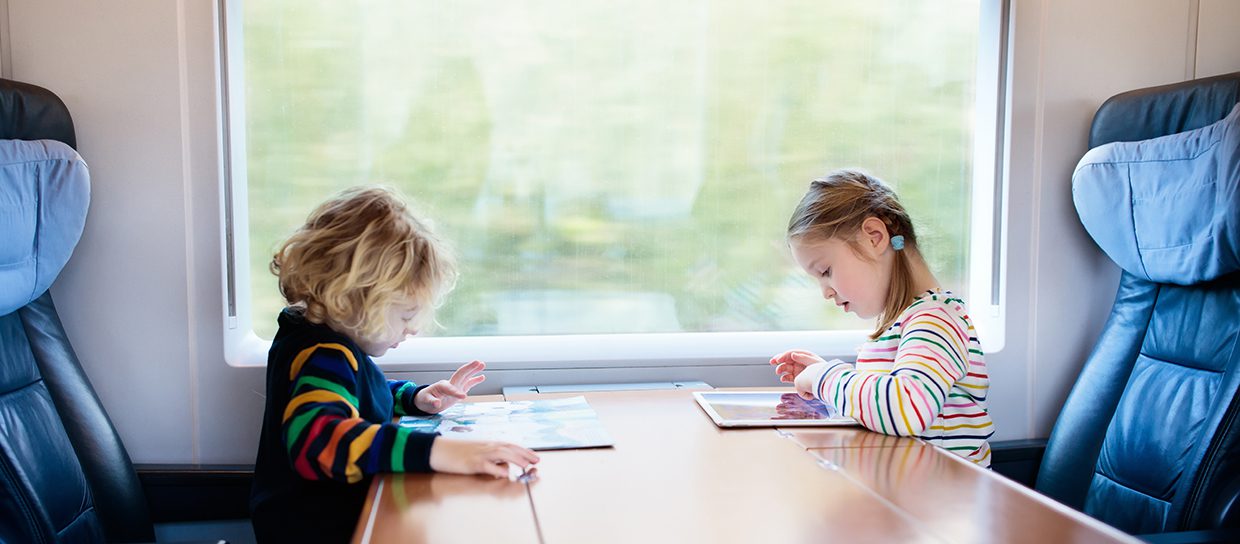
[[924, 377], [326, 430], [324, 433]]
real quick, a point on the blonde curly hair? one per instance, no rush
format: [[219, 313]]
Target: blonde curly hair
[[356, 255]]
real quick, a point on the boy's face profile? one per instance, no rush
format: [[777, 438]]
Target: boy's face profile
[[400, 324], [853, 283]]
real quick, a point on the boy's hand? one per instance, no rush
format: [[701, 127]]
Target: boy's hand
[[444, 393], [476, 457], [790, 364]]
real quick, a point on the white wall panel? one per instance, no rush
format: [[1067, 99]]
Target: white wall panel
[[1218, 38], [1086, 52], [122, 297]]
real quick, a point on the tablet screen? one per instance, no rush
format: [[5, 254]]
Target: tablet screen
[[767, 408]]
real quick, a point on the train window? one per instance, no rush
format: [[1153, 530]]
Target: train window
[[615, 176]]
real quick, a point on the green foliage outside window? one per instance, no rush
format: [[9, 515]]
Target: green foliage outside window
[[610, 167]]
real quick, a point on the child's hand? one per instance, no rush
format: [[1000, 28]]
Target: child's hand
[[476, 457], [790, 364], [444, 393], [806, 384]]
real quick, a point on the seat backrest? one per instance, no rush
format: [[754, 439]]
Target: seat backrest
[[58, 449], [1148, 439]]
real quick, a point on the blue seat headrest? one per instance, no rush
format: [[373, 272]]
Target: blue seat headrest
[[44, 193], [1166, 209]]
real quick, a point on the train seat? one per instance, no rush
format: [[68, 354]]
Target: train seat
[[1148, 439]]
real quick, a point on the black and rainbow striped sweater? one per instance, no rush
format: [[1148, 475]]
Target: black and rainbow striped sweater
[[327, 429]]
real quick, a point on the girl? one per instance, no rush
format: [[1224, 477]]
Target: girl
[[360, 276], [922, 373]]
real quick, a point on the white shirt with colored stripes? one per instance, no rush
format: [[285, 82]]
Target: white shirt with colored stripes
[[925, 376]]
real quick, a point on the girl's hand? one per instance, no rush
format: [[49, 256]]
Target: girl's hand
[[790, 364], [439, 396], [477, 457], [805, 384]]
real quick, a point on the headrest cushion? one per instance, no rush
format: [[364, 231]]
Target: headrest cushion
[[44, 193], [1166, 209]]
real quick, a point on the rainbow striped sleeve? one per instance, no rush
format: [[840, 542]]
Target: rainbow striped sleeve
[[403, 393], [324, 434], [931, 355]]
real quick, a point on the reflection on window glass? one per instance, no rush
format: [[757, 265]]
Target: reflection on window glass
[[610, 167]]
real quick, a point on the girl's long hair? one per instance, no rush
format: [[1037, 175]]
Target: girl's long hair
[[836, 205]]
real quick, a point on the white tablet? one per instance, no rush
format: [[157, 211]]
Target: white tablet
[[767, 409]]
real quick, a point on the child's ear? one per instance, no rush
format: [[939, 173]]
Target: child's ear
[[874, 236]]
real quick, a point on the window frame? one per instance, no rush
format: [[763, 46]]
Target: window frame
[[987, 261]]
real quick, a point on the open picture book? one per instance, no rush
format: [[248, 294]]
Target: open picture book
[[564, 423]]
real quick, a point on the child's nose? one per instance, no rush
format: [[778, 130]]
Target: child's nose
[[827, 292]]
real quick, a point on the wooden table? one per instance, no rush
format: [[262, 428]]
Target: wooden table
[[675, 477]]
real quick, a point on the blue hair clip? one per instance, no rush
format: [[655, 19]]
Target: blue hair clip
[[897, 242]]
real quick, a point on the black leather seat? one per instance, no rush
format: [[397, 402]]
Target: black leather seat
[[1148, 440], [64, 474]]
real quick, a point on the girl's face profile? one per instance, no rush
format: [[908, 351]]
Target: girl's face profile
[[401, 324], [853, 283]]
